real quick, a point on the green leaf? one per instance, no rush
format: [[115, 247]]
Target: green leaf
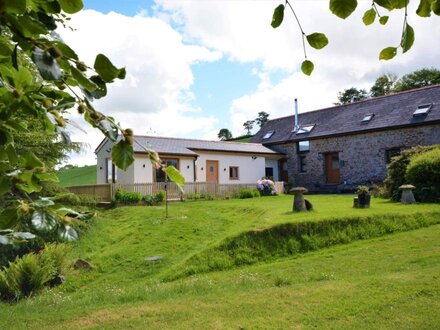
[[392, 4], [67, 233], [369, 17], [388, 53], [174, 175], [307, 67], [105, 68], [383, 20], [42, 202], [12, 154], [8, 218], [278, 16], [435, 6], [47, 177], [83, 80], [30, 161], [122, 154], [4, 240], [43, 221], [408, 38], [108, 128], [66, 50], [48, 21], [71, 6], [5, 185], [28, 182], [424, 8], [27, 25], [343, 8], [22, 236], [100, 92], [46, 64], [14, 6], [317, 40]]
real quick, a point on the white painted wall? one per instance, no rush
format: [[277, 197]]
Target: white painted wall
[[142, 174], [146, 174], [102, 156], [274, 164], [249, 170]]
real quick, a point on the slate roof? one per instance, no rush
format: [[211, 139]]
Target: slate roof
[[189, 147], [391, 111]]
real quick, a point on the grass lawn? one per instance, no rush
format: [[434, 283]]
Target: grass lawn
[[391, 281], [77, 176]]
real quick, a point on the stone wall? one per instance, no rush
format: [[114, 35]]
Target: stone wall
[[361, 157]]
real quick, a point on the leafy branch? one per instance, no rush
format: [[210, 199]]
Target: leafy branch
[[315, 40]]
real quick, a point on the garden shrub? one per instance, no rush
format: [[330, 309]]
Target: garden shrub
[[266, 187], [423, 171], [125, 197], [75, 199], [248, 193], [397, 169], [154, 199], [28, 274]]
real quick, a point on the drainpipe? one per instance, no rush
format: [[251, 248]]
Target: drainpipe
[[296, 127]]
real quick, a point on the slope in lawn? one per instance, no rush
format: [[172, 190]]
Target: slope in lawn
[[78, 176]]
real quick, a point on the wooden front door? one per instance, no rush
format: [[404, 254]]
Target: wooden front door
[[212, 171], [332, 168]]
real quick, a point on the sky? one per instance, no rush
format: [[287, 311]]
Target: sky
[[194, 67]]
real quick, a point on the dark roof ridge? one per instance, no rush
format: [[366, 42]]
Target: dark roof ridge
[[362, 101], [197, 140]]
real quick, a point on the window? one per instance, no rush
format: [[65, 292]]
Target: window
[[305, 129], [233, 173], [303, 146], [390, 153], [367, 118], [269, 172], [160, 175], [302, 164], [422, 110], [268, 135], [110, 169]]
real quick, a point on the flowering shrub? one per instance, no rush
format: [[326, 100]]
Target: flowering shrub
[[266, 187]]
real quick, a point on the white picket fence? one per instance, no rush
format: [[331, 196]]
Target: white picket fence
[[105, 192]]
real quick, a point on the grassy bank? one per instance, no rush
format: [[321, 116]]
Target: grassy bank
[[390, 281], [77, 176]]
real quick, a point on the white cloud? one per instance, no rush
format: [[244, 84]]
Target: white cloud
[[241, 30], [156, 92]]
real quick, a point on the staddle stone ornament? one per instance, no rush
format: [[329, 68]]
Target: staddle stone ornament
[[299, 203], [407, 194]]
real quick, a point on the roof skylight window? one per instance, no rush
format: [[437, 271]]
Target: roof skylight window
[[422, 110], [305, 129], [367, 118], [268, 135]]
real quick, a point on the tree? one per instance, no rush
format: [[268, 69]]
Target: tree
[[249, 125], [40, 80], [351, 95], [262, 118], [384, 85], [224, 134], [420, 78]]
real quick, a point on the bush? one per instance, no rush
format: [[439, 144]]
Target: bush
[[29, 274], [423, 171], [248, 193], [125, 197], [154, 199], [397, 169], [266, 187], [75, 200]]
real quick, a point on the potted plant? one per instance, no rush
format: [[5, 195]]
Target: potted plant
[[364, 197]]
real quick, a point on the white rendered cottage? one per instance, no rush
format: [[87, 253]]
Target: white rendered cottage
[[198, 161]]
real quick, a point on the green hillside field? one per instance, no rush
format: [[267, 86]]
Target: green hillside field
[[77, 176], [248, 264]]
